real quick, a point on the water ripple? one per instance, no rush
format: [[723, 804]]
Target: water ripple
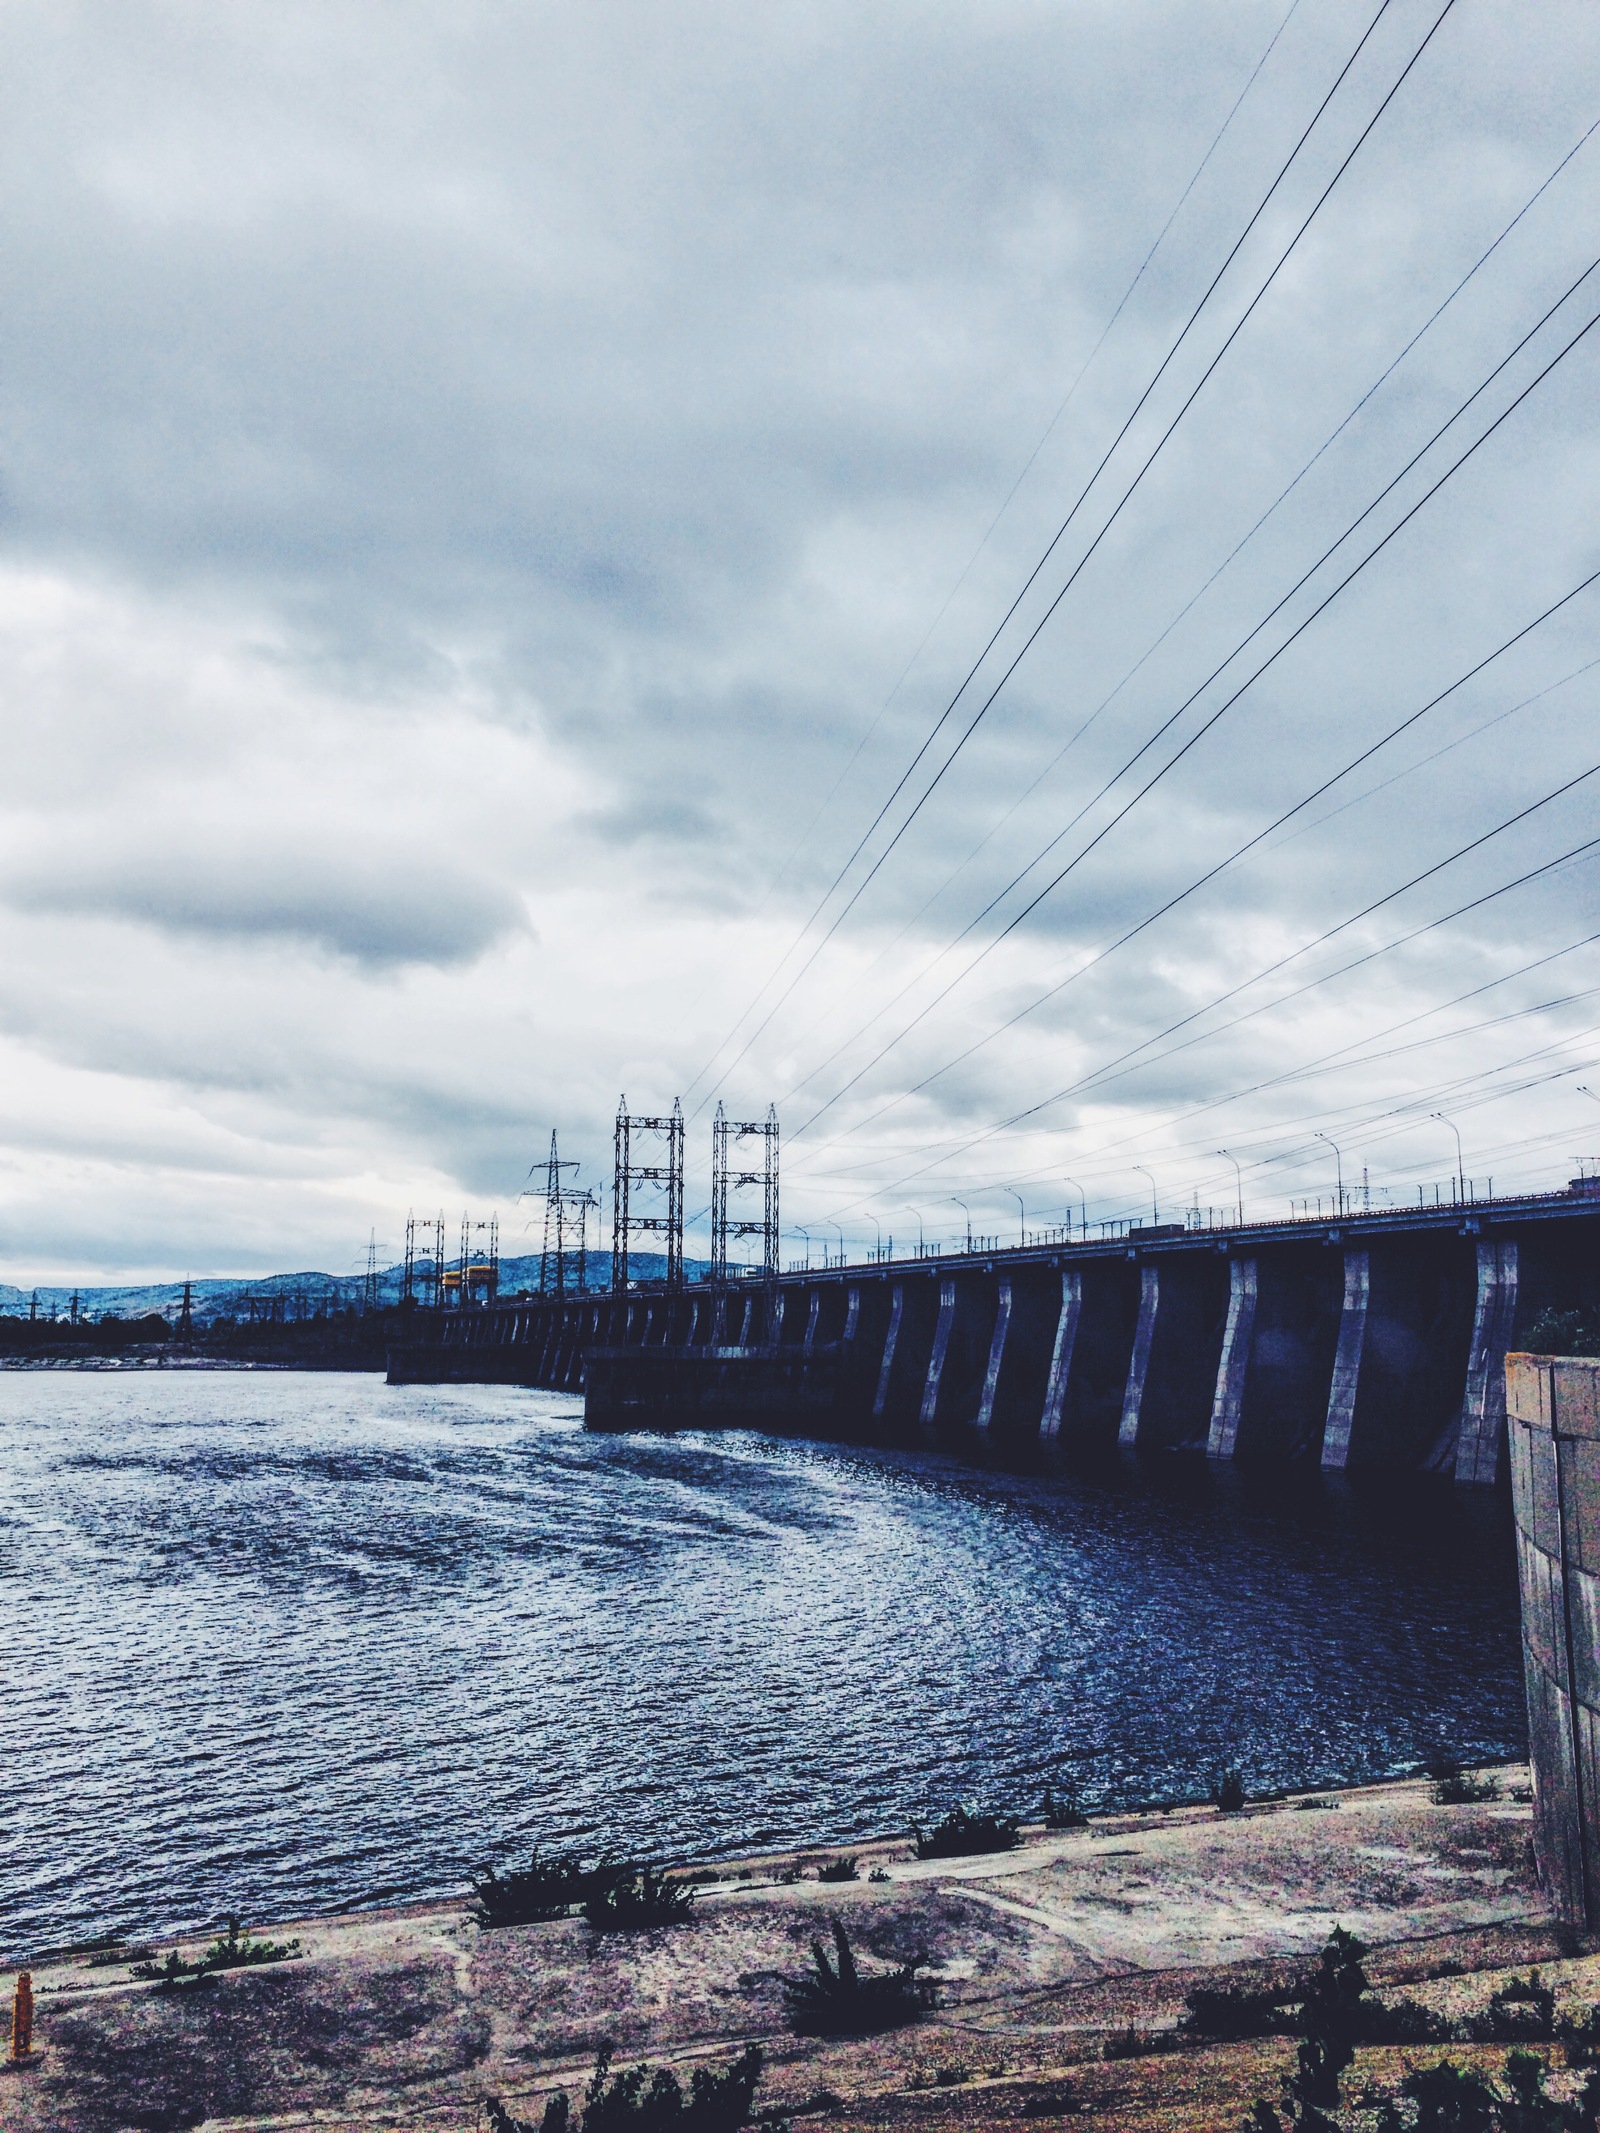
[[289, 1642]]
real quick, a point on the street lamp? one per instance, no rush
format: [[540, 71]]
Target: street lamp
[[1461, 1182], [800, 1226], [1083, 1208], [922, 1249], [877, 1232], [967, 1211], [834, 1225], [1239, 1175], [1338, 1167], [1022, 1214], [1155, 1211]]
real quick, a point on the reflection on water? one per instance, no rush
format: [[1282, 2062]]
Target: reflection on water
[[280, 1642]]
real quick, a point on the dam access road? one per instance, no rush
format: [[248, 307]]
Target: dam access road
[[1364, 1337]]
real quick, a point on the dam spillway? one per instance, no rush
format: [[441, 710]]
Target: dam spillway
[[1371, 1338]]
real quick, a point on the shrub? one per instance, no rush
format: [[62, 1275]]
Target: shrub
[[1580, 2038], [1565, 1333], [637, 1896], [1228, 2012], [232, 1950], [641, 2102], [963, 1832], [1462, 1789], [1331, 2020], [879, 1874], [235, 1951], [840, 1869], [1450, 2099], [1227, 1792], [528, 1895], [1521, 2012], [175, 1975], [835, 2000], [1406, 2022], [1061, 1811]]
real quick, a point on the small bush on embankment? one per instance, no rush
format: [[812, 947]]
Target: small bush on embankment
[[1062, 1811], [836, 2000], [231, 1950], [631, 1897], [640, 2101], [529, 1895], [846, 1869], [963, 1832], [1564, 1333]]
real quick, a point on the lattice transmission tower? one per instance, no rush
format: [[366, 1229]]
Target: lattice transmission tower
[[423, 1279], [728, 1156], [475, 1278], [566, 1228], [666, 1177]]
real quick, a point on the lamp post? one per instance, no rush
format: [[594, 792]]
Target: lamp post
[[1239, 1175], [834, 1225], [1083, 1209], [877, 1234], [1022, 1217], [800, 1226], [1338, 1168], [922, 1248], [1461, 1182], [1155, 1210], [967, 1211]]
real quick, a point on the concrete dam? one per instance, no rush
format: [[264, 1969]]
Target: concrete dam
[[1371, 1338]]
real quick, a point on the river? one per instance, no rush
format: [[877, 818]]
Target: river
[[283, 1642]]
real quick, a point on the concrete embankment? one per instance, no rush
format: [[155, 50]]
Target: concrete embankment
[[411, 2017]]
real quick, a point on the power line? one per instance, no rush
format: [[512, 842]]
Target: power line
[[1061, 531], [1027, 468], [1090, 1080], [1283, 495], [1080, 565], [1199, 734]]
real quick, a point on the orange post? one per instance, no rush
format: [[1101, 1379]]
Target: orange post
[[22, 2017]]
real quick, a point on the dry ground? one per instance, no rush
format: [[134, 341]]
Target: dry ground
[[409, 2018]]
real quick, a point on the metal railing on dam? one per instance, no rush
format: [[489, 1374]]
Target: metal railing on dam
[[1371, 1337]]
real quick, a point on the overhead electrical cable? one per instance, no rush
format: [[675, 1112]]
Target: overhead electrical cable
[[1028, 466], [1232, 556], [1033, 636], [1160, 371], [1199, 734], [1088, 1081]]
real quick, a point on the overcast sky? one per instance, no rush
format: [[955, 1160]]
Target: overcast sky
[[494, 498]]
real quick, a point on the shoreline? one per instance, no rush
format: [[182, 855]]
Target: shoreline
[[1043, 1957]]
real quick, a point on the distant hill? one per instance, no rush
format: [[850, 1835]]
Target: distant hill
[[226, 1297]]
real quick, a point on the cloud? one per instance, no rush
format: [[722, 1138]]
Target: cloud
[[379, 910], [492, 501]]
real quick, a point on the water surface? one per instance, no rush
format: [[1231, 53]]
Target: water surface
[[279, 1642]]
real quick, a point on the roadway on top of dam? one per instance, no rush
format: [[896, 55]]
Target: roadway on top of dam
[[1459, 1217]]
